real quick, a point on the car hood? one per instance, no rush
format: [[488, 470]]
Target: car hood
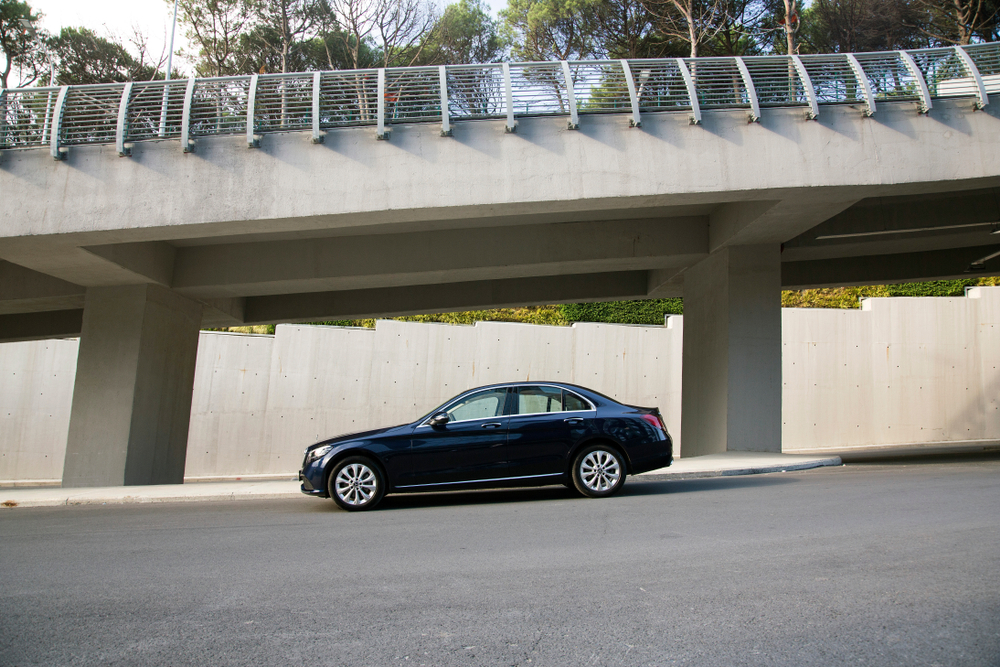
[[360, 435]]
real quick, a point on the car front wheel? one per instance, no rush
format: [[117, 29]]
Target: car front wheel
[[356, 483], [598, 471]]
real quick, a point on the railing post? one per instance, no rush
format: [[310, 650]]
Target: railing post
[[630, 82], [754, 115], [983, 98], [3, 118], [164, 104], [317, 136], [692, 91], [807, 84], [120, 131], [925, 95], [252, 140], [48, 117], [186, 142], [445, 118], [574, 116], [380, 132], [55, 149], [866, 87], [508, 90]]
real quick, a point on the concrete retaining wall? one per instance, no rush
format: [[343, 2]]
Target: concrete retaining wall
[[899, 371]]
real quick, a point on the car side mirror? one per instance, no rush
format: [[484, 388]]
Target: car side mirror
[[440, 419]]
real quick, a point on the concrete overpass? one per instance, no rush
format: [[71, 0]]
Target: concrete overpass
[[215, 202]]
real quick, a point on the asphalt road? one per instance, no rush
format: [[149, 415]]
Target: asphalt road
[[864, 565]]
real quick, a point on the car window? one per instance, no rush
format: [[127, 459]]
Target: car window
[[535, 400], [573, 402], [480, 405]]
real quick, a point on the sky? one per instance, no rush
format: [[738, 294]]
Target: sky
[[119, 17]]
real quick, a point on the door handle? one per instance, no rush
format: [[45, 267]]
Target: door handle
[[573, 420], [492, 425]]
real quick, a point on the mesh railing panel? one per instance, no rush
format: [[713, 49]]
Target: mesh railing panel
[[219, 106], [146, 119], [600, 87], [889, 76], [776, 81], [283, 102], [412, 95], [539, 89], [659, 85], [833, 79], [348, 98], [718, 82], [476, 92], [90, 115], [26, 117], [987, 60], [944, 72]]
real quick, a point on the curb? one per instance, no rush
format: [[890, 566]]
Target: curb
[[732, 472]]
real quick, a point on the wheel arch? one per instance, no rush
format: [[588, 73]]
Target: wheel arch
[[599, 440], [354, 451]]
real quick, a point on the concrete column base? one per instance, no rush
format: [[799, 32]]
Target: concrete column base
[[134, 380], [731, 380]]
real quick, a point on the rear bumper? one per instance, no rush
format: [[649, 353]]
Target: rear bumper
[[662, 459]]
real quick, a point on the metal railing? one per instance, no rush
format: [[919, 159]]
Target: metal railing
[[126, 113]]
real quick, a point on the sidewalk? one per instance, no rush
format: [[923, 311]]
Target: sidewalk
[[713, 465]]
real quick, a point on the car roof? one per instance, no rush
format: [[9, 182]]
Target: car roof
[[590, 393]]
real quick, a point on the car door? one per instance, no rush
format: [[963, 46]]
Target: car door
[[469, 448], [541, 431]]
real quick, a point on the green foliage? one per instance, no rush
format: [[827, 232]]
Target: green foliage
[[645, 311], [466, 33], [22, 44], [549, 315], [551, 29], [831, 297], [850, 297], [84, 57]]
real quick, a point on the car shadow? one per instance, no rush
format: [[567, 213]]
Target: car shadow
[[634, 487], [654, 487], [476, 497]]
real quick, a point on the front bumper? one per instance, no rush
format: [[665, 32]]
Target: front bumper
[[307, 487]]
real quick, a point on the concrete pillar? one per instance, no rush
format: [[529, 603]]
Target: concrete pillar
[[134, 379], [731, 379]]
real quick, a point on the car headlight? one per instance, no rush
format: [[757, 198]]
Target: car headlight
[[318, 453]]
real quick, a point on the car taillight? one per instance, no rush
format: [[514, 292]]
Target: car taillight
[[654, 421]]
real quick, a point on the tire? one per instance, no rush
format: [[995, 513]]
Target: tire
[[356, 483], [598, 471]]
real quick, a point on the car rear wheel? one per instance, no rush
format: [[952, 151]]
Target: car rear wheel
[[356, 483], [598, 471]]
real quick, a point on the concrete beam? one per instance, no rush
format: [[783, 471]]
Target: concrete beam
[[949, 264], [364, 262], [40, 325], [769, 221], [877, 217], [61, 258], [25, 291], [153, 260], [665, 283], [417, 299], [132, 393]]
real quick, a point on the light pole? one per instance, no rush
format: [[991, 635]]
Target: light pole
[[170, 64]]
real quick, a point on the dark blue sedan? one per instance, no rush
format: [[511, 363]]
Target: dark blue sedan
[[512, 434]]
